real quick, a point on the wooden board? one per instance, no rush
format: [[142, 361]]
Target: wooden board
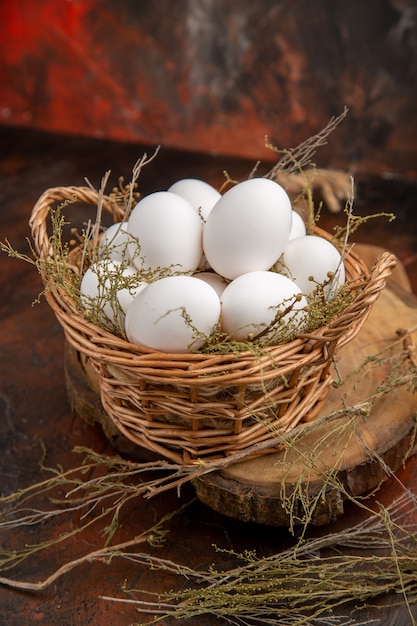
[[360, 457]]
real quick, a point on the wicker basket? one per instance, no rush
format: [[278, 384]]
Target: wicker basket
[[190, 406]]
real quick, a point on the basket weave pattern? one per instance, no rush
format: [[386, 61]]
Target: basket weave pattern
[[188, 406]]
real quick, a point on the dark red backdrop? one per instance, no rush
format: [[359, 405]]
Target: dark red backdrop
[[214, 76]]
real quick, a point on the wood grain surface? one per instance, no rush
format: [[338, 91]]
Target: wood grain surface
[[37, 423]]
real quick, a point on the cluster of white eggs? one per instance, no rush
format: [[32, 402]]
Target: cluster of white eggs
[[189, 260]]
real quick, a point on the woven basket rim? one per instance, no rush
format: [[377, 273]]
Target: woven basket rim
[[55, 296]]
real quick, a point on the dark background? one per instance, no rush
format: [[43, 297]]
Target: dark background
[[87, 86], [217, 77]]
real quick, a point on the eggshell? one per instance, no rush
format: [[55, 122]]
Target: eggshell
[[199, 194], [173, 314], [298, 227], [98, 290], [166, 232], [308, 260], [113, 243], [251, 301], [217, 282], [248, 228]]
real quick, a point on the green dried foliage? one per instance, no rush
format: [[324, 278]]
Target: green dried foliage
[[299, 586], [302, 586]]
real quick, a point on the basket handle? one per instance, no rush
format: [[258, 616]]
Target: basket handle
[[380, 272], [67, 195]]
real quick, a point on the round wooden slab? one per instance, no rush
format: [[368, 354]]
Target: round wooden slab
[[360, 454]]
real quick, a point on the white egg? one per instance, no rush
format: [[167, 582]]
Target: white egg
[[248, 228], [309, 260], [99, 290], [199, 194], [298, 227], [217, 282], [166, 232], [250, 303], [173, 314], [113, 243]]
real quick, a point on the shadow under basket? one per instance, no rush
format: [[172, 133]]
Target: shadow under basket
[[192, 406]]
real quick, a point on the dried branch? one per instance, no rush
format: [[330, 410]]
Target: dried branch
[[153, 536], [294, 160], [300, 585]]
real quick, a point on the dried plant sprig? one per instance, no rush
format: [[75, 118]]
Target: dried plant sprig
[[319, 576], [153, 536], [93, 500], [300, 585], [137, 169], [61, 267], [296, 159], [340, 232]]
